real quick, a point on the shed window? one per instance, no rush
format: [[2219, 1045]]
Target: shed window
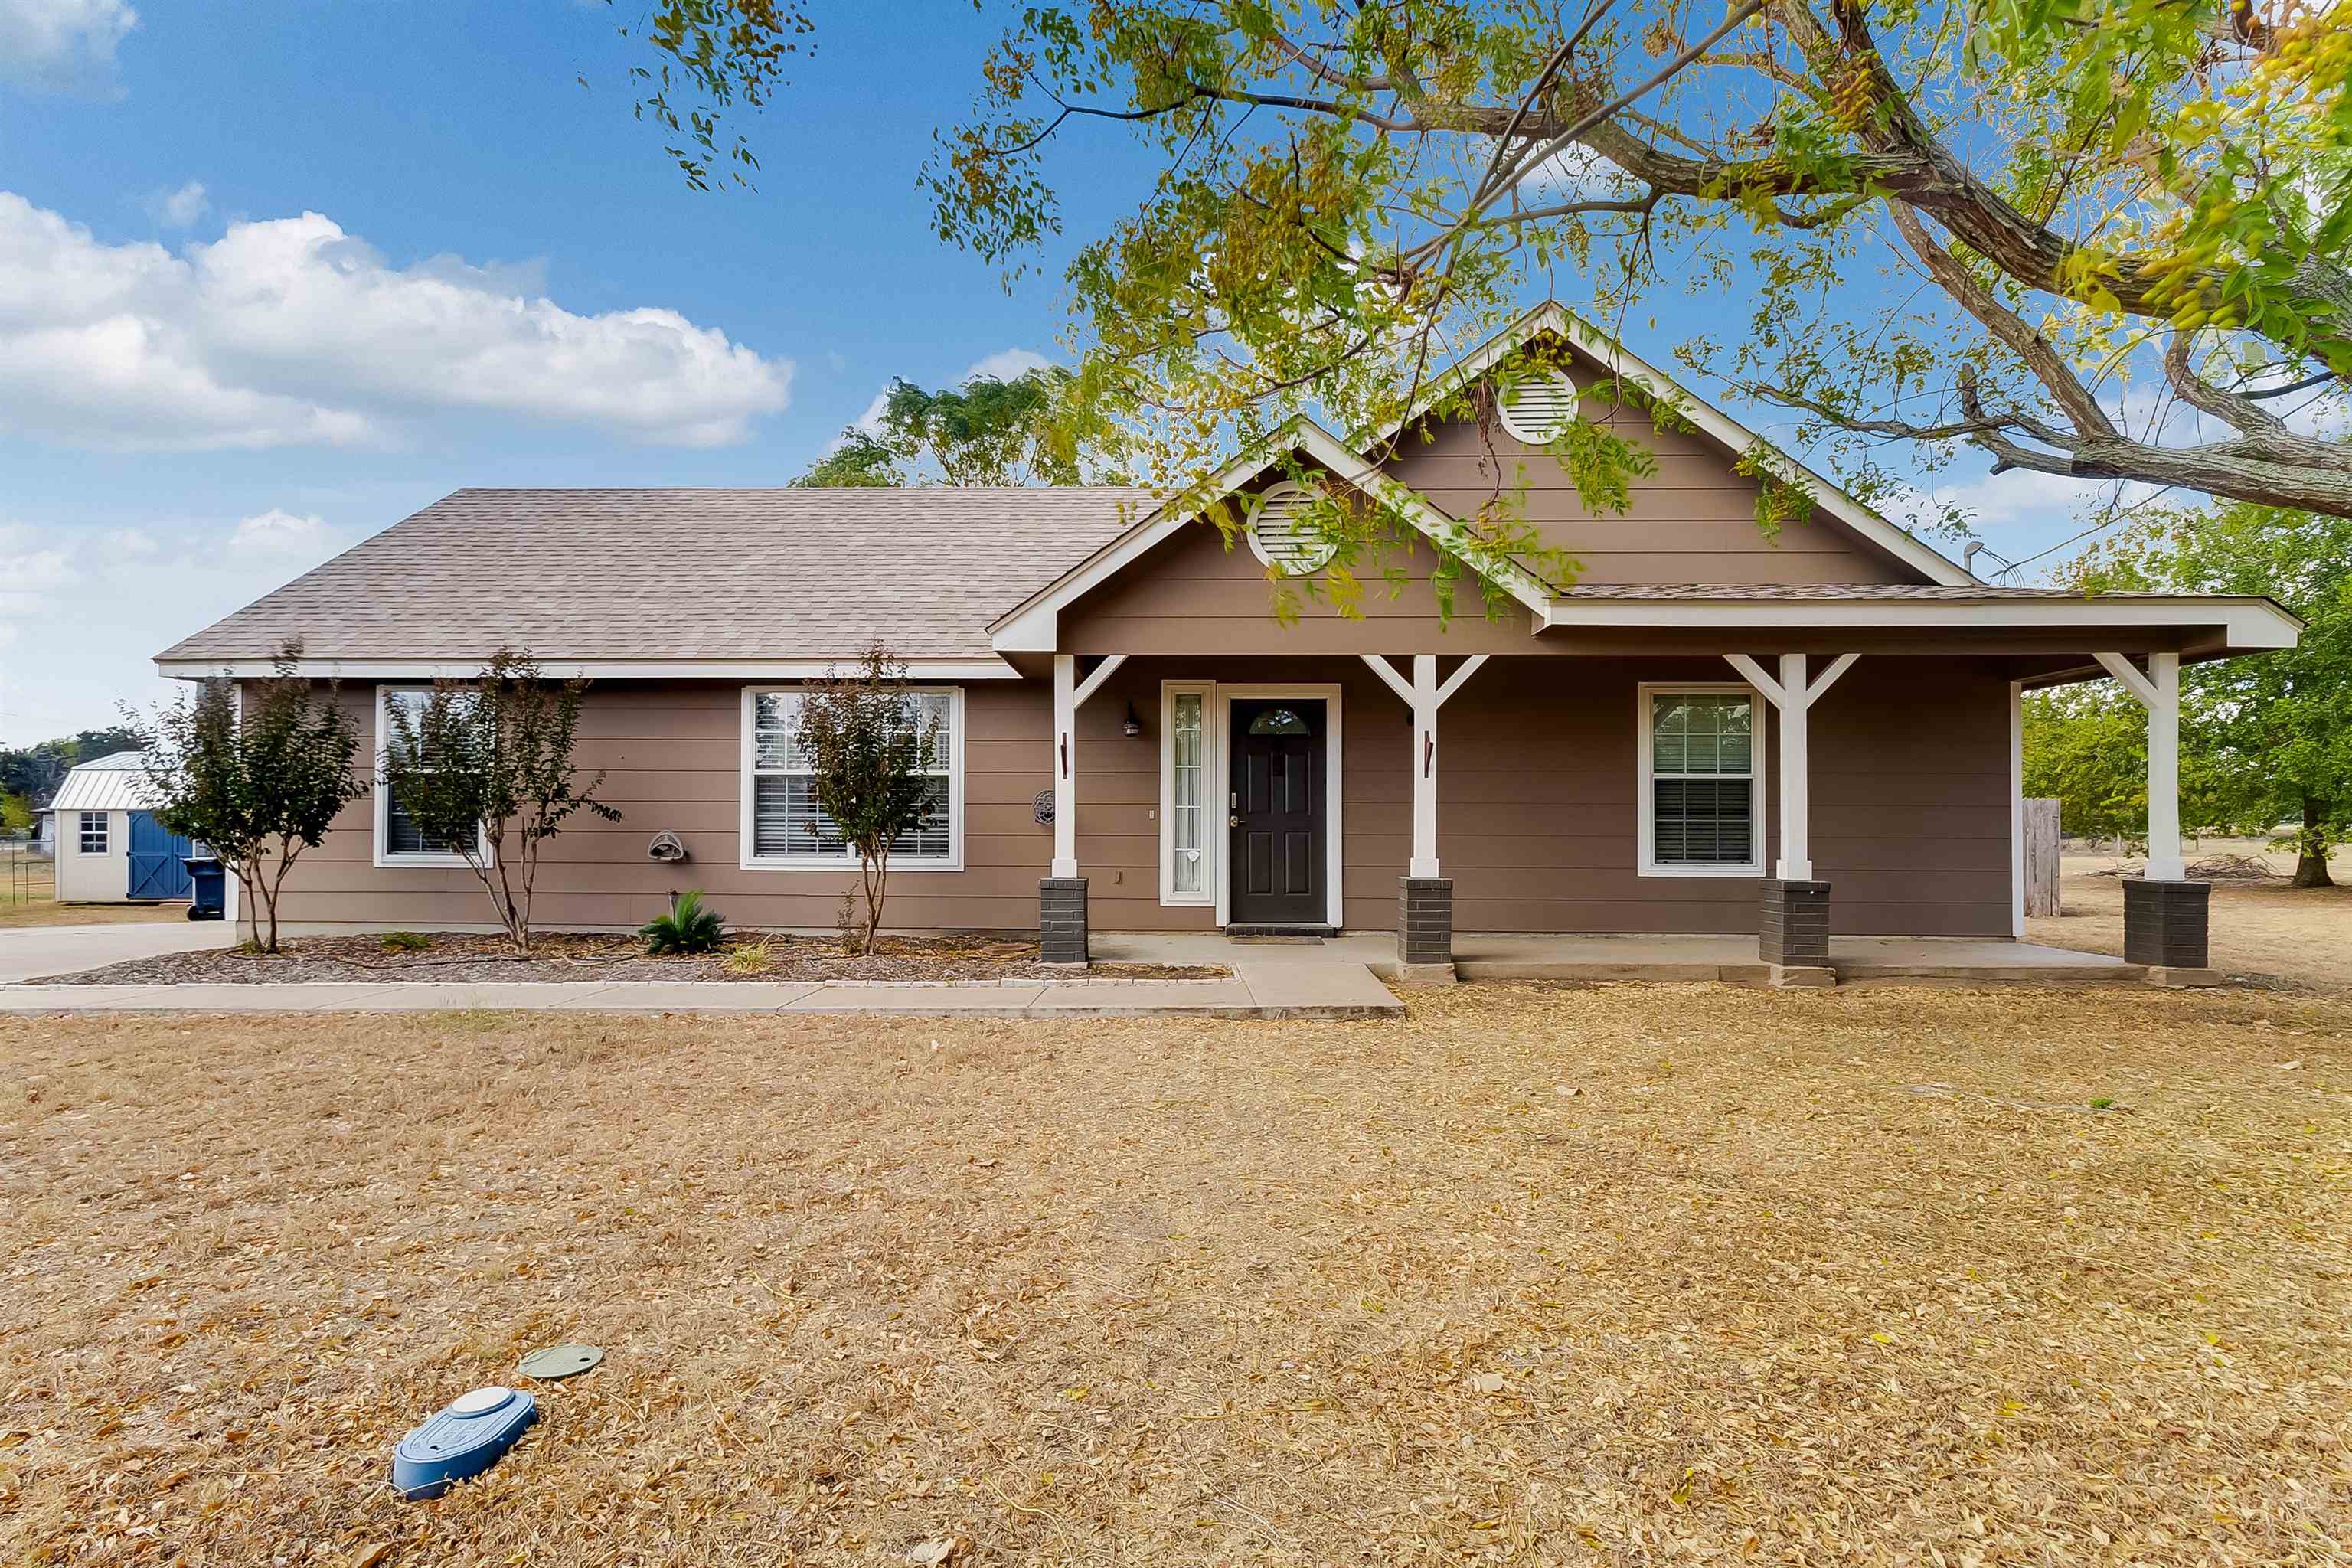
[[1701, 805], [94, 833], [787, 828]]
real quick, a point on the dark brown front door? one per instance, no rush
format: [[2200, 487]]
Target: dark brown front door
[[1276, 853]]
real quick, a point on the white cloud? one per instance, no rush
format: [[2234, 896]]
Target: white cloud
[[276, 532], [62, 43], [33, 567], [1007, 364], [291, 332], [183, 208], [87, 607]]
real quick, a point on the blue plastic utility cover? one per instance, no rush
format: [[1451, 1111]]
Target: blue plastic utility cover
[[461, 1441]]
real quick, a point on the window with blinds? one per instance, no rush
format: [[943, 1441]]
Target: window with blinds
[[787, 825], [398, 838], [1701, 808]]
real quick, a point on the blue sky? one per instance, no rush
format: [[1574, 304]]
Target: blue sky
[[274, 276]]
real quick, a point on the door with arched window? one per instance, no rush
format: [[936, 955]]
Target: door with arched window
[[1276, 856]]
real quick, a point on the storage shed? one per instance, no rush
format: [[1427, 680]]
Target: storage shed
[[110, 847]]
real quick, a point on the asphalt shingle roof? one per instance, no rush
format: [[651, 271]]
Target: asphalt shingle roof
[[682, 573]]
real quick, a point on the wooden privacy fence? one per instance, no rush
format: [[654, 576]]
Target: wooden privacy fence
[[2040, 857]]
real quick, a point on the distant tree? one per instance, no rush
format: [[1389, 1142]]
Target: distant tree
[[35, 771], [486, 765], [859, 462], [989, 431], [871, 749], [2273, 731], [15, 814], [2087, 746], [257, 780]]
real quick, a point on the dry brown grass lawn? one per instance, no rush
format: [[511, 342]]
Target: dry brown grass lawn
[[1796, 1276], [28, 896], [2301, 936]]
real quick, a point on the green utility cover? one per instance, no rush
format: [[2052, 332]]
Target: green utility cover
[[561, 1360]]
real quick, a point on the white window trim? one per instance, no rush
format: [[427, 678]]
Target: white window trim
[[746, 794], [384, 857], [105, 833], [1328, 692], [1211, 757], [1758, 752]]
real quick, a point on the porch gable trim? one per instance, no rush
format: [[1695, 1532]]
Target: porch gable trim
[[1035, 626]]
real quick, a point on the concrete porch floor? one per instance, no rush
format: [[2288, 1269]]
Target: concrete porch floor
[[1491, 955]]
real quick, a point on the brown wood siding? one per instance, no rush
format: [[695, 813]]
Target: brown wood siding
[[1537, 795], [1692, 521], [1193, 592]]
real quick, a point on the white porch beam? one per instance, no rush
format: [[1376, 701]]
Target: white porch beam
[[2123, 669], [1753, 673], [1829, 676], [1065, 766], [1093, 683], [1381, 666], [2160, 692], [1453, 682]]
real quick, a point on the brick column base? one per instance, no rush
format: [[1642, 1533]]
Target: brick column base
[[1425, 928], [1062, 921], [2165, 928], [1792, 933]]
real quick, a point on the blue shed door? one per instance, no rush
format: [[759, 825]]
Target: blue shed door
[[156, 871]]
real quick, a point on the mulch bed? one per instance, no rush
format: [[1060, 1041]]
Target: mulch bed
[[463, 958]]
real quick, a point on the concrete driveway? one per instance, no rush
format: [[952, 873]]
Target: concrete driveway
[[28, 952]]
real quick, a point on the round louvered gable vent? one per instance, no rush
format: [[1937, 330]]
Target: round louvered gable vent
[[1539, 407], [1282, 537]]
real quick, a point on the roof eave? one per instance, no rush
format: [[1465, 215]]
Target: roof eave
[[2249, 624]]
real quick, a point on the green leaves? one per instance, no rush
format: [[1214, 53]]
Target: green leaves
[[257, 771], [1035, 428], [486, 766]]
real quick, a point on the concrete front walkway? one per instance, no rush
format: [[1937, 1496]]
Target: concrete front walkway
[[1330, 989], [29, 951]]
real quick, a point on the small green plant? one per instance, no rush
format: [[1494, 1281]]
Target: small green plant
[[2105, 1102], [685, 927], [406, 941], [752, 958]]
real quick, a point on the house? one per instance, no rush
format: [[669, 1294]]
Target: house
[[1712, 729], [110, 847]]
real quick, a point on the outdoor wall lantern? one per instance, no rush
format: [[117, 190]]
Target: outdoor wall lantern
[[1134, 724]]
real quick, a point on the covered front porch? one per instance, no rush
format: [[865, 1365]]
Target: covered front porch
[[1793, 819]]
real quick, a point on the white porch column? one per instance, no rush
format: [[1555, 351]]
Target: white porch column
[[1794, 698], [1795, 863], [2159, 691], [1066, 764], [1424, 696], [1424, 772]]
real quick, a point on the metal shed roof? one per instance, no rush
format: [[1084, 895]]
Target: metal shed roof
[[115, 782]]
